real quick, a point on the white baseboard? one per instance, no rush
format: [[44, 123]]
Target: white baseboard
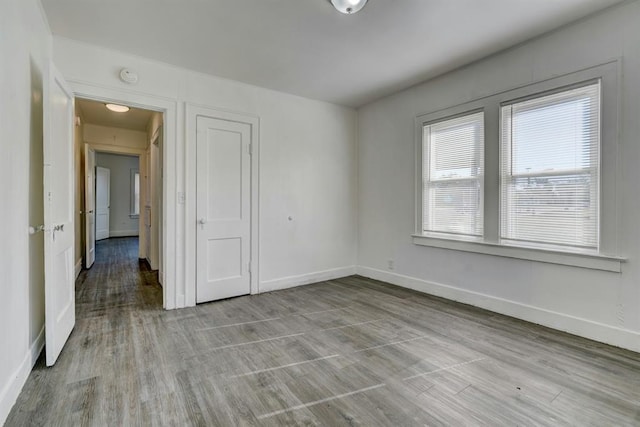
[[607, 334], [78, 267], [123, 233], [306, 279], [9, 394]]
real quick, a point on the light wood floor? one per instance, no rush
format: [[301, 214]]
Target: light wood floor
[[352, 351]]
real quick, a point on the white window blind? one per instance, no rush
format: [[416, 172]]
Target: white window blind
[[453, 162], [550, 149]]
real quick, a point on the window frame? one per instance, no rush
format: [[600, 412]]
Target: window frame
[[452, 182], [606, 257], [594, 172]]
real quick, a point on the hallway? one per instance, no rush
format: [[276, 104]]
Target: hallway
[[115, 300], [117, 283]]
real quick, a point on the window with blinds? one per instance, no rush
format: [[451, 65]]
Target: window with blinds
[[550, 157], [453, 162]]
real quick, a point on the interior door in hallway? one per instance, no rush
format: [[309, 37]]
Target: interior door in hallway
[[103, 201], [223, 209], [90, 206], [59, 203]]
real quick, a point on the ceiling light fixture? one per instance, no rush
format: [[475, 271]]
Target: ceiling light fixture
[[117, 108], [348, 6]]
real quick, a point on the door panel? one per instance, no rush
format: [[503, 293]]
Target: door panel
[[90, 206], [224, 178], [223, 209], [224, 259], [103, 197], [58, 214]]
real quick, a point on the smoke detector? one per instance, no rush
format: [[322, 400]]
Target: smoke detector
[[129, 76]]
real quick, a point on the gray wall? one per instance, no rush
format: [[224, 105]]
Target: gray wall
[[120, 221], [596, 304]]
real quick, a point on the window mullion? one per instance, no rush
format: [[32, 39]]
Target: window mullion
[[491, 190]]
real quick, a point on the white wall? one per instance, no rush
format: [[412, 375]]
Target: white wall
[[596, 304], [120, 221], [114, 137], [307, 162], [25, 46]]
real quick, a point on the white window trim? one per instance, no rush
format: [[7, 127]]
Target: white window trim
[[607, 257], [593, 171], [479, 178]]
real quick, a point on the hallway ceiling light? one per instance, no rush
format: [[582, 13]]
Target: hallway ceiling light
[[348, 6], [117, 108]]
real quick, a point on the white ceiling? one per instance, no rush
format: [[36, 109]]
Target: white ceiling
[[307, 48], [96, 113]]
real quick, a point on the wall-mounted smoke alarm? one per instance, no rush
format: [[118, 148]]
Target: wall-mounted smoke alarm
[[128, 75]]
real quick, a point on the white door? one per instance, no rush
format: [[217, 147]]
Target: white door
[[60, 316], [90, 206], [223, 209], [103, 198]]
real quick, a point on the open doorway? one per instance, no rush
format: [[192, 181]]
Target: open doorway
[[119, 190]]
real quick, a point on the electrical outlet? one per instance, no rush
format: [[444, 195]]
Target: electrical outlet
[[390, 264]]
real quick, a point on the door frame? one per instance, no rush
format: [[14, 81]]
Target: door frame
[[95, 206], [89, 208], [122, 151], [172, 297], [193, 111]]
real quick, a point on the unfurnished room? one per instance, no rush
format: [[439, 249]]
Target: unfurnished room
[[320, 212]]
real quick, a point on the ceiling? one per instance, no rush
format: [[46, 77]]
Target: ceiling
[[96, 113], [305, 47]]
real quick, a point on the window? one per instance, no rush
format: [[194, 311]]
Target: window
[[550, 149], [135, 193], [453, 151], [526, 173]]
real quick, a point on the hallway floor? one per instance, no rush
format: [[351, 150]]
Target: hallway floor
[[351, 351]]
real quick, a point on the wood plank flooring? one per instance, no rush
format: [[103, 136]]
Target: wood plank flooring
[[352, 351]]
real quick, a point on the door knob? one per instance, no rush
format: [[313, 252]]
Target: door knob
[[59, 227], [202, 222]]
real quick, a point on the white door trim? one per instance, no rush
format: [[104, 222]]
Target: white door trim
[[104, 211], [114, 149], [172, 249], [193, 111], [89, 207]]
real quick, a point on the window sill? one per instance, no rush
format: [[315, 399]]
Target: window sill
[[589, 260]]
